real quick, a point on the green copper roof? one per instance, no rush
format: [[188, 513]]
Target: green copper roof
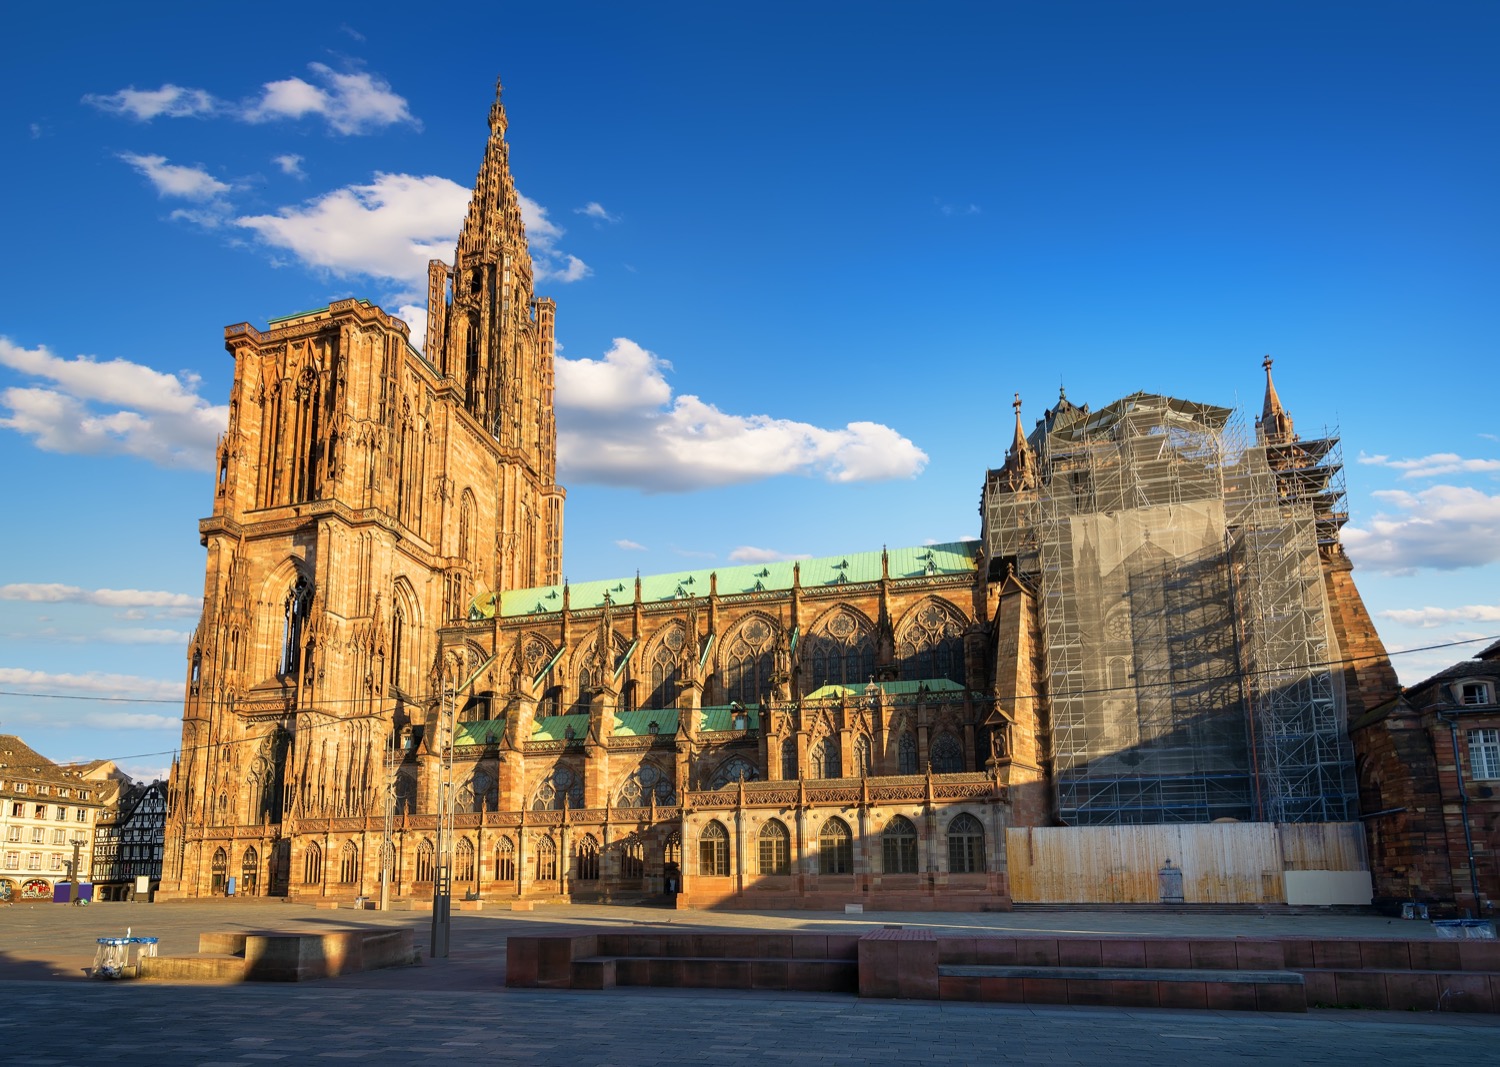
[[956, 557], [311, 311], [638, 723], [484, 732], [721, 719], [888, 689], [555, 727]]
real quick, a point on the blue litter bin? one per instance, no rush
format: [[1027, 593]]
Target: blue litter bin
[[229, 887]]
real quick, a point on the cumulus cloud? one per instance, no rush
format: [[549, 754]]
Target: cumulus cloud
[[172, 179], [290, 164], [595, 210], [144, 637], [170, 100], [95, 407], [548, 262], [751, 554], [619, 424], [388, 229], [56, 593], [630, 546], [92, 683], [352, 102], [1438, 463], [1428, 618], [1446, 527]]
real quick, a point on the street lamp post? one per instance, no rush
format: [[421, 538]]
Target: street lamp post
[[77, 844]]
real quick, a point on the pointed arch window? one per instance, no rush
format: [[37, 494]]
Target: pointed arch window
[[842, 651], [732, 770], [463, 860], [947, 754], [906, 754], [348, 864], [835, 848], [546, 860], [249, 871], [588, 859], [312, 865], [559, 788], [748, 661], [932, 643], [965, 845], [713, 851], [789, 759], [505, 860], [775, 848], [406, 793], [645, 782], [864, 762], [398, 644], [219, 871], [827, 758], [295, 608], [664, 669], [424, 861], [898, 847]]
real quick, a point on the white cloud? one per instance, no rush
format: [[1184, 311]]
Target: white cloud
[[170, 100], [1446, 527], [751, 554], [56, 593], [415, 316], [354, 102], [171, 179], [630, 546], [1438, 463], [595, 210], [290, 164], [1428, 618], [549, 263], [130, 720], [98, 407], [92, 683], [144, 637], [388, 229], [618, 424]]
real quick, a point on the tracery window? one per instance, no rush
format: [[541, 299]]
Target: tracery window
[[424, 861], [747, 661], [733, 770], [826, 758], [841, 651], [835, 848], [546, 860], [789, 759], [559, 789], [665, 658], [898, 847], [479, 794], [588, 859], [932, 643], [775, 848], [406, 793], [947, 754], [295, 608], [965, 845], [463, 860], [713, 851], [249, 871], [312, 865], [219, 870], [864, 762], [632, 858], [906, 754], [398, 640], [505, 860], [647, 781], [348, 864]]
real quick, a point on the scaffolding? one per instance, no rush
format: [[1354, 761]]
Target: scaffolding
[[1183, 616]]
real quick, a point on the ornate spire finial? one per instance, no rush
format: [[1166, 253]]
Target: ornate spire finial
[[1275, 423], [498, 121]]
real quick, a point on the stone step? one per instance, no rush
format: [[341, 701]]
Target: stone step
[[194, 967]]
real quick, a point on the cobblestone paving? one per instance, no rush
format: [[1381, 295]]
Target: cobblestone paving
[[458, 1009]]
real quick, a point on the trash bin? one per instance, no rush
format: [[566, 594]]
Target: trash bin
[[229, 887]]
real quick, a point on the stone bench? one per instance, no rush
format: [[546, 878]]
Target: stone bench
[[1127, 987], [274, 956], [801, 974]]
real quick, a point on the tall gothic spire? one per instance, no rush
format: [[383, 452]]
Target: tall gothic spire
[[1275, 424], [1019, 471]]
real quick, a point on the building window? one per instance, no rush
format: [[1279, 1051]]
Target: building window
[[298, 601], [664, 660], [348, 864], [733, 770], [747, 661], [965, 845], [863, 761], [59, 837], [898, 847], [647, 782], [62, 814], [13, 860], [931, 644], [546, 860], [424, 861], [1484, 753], [312, 865], [505, 860], [632, 859], [588, 859], [57, 861], [835, 848], [826, 758], [947, 754], [789, 759], [249, 872], [38, 835], [463, 861], [775, 849], [1472, 694], [219, 871], [13, 833], [906, 754], [713, 851], [560, 788], [81, 815]]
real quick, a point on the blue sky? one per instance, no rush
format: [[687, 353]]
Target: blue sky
[[832, 238]]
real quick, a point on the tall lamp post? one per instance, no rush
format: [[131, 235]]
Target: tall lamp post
[[442, 874]]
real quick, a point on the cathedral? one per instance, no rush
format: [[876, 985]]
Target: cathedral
[[391, 689]]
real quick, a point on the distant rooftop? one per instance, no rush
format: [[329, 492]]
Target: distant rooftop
[[955, 557]]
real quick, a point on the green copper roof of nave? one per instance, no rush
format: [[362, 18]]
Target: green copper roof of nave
[[956, 557]]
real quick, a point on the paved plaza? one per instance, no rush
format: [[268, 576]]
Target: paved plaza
[[458, 1008]]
